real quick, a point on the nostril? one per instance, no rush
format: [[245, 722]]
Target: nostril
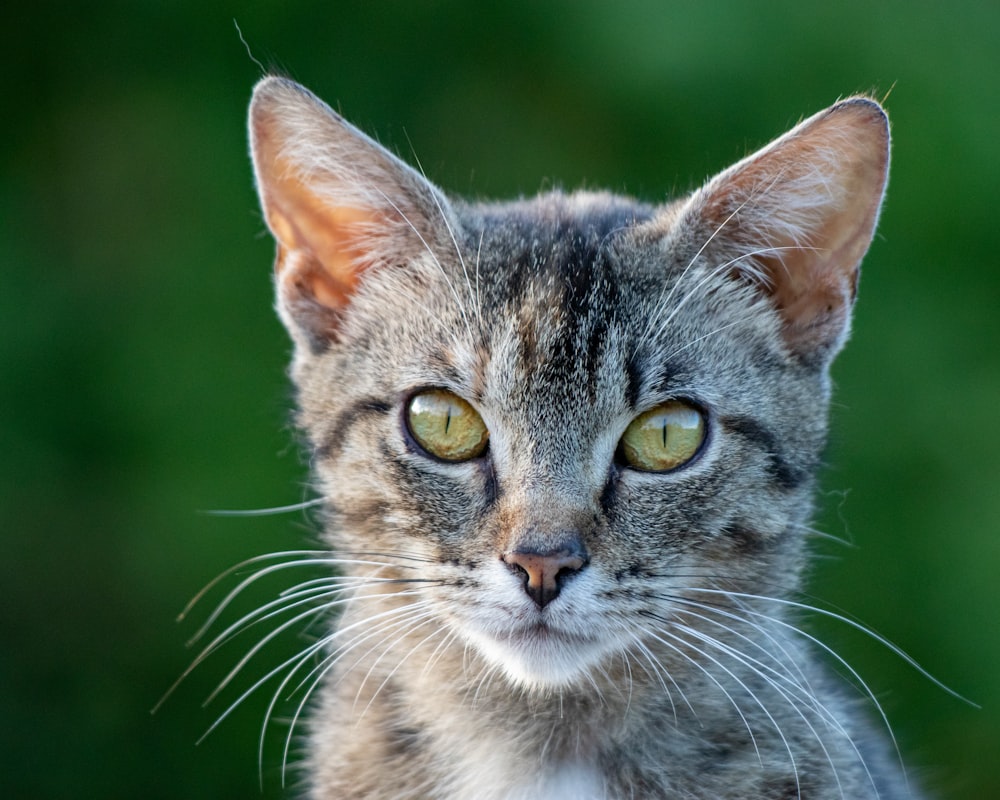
[[544, 573], [518, 570]]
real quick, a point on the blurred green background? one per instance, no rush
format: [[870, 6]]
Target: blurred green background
[[142, 369]]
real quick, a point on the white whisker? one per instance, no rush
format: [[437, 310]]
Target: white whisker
[[459, 306], [898, 651], [263, 512], [656, 634], [263, 572], [668, 293], [428, 618], [766, 672], [449, 228]]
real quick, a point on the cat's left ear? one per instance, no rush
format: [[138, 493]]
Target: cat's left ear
[[338, 204], [797, 217]]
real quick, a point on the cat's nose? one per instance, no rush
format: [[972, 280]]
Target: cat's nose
[[545, 570]]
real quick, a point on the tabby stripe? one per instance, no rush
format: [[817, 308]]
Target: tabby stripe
[[334, 441], [787, 476]]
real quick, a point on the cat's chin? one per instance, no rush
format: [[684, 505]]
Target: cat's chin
[[541, 657]]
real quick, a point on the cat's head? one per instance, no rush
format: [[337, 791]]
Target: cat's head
[[556, 419]]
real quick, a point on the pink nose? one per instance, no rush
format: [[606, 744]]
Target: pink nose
[[545, 573]]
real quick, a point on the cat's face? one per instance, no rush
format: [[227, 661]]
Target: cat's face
[[545, 428], [557, 348]]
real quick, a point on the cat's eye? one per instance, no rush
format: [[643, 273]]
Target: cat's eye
[[663, 438], [446, 426]]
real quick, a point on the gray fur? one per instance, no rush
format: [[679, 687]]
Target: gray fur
[[671, 666]]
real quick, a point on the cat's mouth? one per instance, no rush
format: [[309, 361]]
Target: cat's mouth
[[542, 631]]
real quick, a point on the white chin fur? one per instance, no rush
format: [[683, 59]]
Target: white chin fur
[[546, 661]]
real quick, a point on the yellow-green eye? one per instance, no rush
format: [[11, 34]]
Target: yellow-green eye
[[446, 426], [664, 437]]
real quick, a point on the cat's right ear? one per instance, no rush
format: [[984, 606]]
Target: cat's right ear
[[795, 219], [338, 204]]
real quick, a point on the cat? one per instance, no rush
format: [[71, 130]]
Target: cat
[[565, 451]]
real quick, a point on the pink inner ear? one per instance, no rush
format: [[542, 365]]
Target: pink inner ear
[[812, 281], [322, 245], [822, 304]]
